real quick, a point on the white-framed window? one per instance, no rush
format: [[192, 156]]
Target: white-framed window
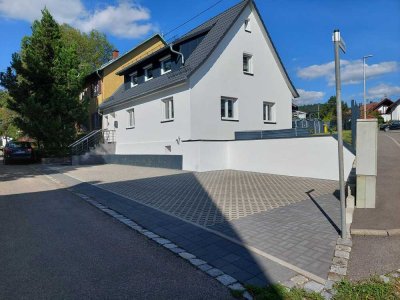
[[247, 63], [229, 109], [131, 118], [166, 64], [148, 72], [247, 25], [168, 109], [269, 111], [133, 79]]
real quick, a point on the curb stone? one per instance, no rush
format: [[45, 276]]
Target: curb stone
[[225, 279]]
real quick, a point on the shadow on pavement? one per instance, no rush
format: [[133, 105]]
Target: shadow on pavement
[[43, 247]]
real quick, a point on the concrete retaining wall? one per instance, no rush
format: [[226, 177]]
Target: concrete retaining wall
[[314, 157]]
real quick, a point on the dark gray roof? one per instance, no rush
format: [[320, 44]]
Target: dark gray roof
[[218, 26], [221, 25]]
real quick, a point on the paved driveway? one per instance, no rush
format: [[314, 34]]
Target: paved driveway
[[293, 219], [53, 245]]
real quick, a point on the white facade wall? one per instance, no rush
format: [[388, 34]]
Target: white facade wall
[[395, 115], [222, 75], [151, 135], [314, 157]]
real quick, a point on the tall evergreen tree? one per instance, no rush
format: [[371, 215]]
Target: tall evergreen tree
[[44, 82], [7, 116]]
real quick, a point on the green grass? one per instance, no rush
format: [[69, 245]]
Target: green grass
[[371, 289], [347, 136], [279, 292]]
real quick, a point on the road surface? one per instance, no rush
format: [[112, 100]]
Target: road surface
[[54, 245]]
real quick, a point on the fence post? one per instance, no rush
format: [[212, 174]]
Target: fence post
[[355, 112]]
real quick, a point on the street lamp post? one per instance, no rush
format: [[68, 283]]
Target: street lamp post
[[339, 43], [365, 96]]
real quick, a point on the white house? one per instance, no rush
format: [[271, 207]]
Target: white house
[[299, 115], [222, 77], [394, 111]]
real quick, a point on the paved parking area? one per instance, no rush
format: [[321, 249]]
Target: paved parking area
[[293, 219], [206, 198]]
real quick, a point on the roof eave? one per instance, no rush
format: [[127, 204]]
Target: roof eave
[[105, 105]]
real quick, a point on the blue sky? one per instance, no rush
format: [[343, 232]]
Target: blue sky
[[301, 31]]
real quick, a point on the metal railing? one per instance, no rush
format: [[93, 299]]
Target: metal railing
[[91, 140], [314, 125]]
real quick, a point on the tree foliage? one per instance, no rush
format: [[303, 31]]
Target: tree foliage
[[327, 111], [44, 82], [7, 116], [93, 48]]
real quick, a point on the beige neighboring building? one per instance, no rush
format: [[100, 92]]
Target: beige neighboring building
[[103, 82]]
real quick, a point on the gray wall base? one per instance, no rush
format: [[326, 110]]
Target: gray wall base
[[145, 160]]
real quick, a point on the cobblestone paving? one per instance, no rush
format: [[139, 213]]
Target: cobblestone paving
[[207, 198]]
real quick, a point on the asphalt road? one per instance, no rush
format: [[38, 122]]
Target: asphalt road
[[372, 255], [54, 245]]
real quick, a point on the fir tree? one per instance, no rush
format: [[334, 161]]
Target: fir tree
[[44, 82]]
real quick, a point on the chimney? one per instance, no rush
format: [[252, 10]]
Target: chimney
[[115, 54]]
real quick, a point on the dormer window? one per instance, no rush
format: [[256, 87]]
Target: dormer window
[[247, 25], [134, 79], [148, 72], [166, 64]]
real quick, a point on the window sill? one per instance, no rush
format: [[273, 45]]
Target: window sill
[[269, 122], [130, 127], [230, 119], [167, 120], [248, 73], [162, 72]]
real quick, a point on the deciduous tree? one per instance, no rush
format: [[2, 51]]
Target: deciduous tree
[[93, 48]]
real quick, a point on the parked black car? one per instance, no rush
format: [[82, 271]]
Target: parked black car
[[392, 125], [19, 151]]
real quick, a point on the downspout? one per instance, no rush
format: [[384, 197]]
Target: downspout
[[176, 52], [102, 97]]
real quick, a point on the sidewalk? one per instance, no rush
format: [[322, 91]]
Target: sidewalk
[[386, 215], [378, 255]]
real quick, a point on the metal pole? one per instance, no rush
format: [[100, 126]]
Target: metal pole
[[365, 102], [365, 92], [336, 39]]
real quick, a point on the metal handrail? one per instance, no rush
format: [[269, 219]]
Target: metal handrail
[[91, 140], [90, 134]]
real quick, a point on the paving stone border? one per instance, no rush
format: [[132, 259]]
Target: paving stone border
[[225, 279], [337, 272]]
